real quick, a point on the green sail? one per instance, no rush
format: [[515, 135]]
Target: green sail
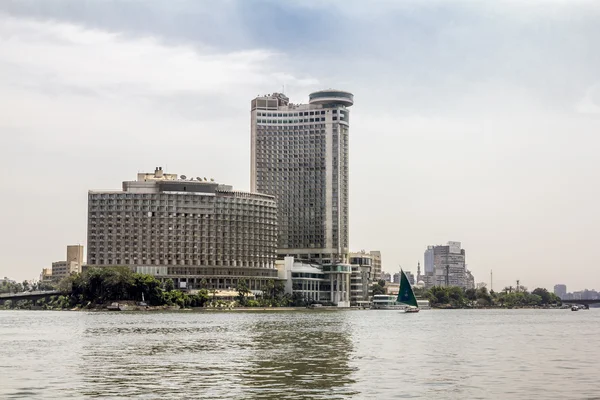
[[405, 292]]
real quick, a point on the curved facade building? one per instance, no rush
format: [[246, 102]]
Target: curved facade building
[[300, 156], [187, 230]]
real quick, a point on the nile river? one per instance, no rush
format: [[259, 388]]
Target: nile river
[[461, 354]]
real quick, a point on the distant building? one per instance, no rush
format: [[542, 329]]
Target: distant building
[[560, 290], [361, 279], [60, 269], [75, 258], [392, 288], [469, 280], [429, 277], [184, 229], [410, 277], [582, 295], [46, 274], [377, 272], [386, 276], [481, 285], [445, 266]]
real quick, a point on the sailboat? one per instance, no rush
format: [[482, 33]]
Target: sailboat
[[406, 295]]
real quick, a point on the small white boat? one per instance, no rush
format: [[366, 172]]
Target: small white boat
[[574, 308]]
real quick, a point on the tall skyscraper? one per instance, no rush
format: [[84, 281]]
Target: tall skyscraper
[[300, 156]]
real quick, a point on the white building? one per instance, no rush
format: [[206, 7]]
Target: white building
[[326, 284]]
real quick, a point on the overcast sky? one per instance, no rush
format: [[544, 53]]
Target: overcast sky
[[476, 122]]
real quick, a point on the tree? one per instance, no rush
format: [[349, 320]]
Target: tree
[[377, 289], [471, 294], [168, 285], [544, 295], [242, 288]]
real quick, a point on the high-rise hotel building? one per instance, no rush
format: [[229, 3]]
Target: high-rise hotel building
[[300, 156], [188, 230]]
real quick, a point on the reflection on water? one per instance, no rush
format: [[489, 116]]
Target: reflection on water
[[300, 355]]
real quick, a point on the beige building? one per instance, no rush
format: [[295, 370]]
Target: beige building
[[46, 274], [72, 265], [75, 256], [377, 272], [184, 229]]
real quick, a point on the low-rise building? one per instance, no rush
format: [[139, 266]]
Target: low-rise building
[[46, 275], [73, 264], [326, 284]]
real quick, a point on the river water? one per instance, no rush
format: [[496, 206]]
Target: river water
[[453, 354]]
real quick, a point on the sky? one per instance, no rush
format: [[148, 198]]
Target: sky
[[476, 122]]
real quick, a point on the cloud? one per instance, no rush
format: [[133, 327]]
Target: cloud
[[590, 103], [469, 115]]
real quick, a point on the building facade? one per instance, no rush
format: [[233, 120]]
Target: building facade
[[362, 277], [186, 230], [445, 266], [325, 284], [560, 290], [449, 265], [299, 155], [75, 257], [73, 264], [46, 275], [377, 272]]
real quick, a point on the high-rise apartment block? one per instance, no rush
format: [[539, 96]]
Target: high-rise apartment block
[[445, 266], [300, 156], [560, 290], [188, 230], [377, 272], [361, 278]]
